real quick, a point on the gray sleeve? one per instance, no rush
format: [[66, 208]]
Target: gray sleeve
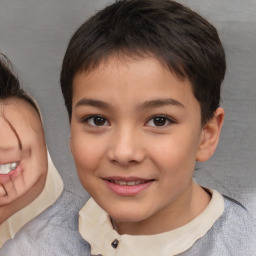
[[54, 232]]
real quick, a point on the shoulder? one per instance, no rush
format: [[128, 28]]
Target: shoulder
[[237, 223], [54, 232], [235, 230], [234, 233], [236, 218]]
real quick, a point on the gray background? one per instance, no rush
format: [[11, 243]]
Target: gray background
[[34, 35]]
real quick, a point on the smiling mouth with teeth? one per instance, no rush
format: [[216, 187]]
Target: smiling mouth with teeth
[[7, 168], [127, 183], [127, 186]]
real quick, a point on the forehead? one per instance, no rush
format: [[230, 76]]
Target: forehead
[[20, 114], [129, 59], [130, 75]]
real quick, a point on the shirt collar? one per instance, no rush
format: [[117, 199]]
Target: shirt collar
[[52, 190], [96, 228]]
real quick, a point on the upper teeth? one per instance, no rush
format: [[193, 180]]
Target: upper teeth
[[6, 168], [127, 183]]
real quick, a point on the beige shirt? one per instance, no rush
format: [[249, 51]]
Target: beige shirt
[[52, 190], [96, 228]]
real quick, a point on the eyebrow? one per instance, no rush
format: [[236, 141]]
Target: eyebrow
[[91, 102], [144, 105], [160, 103]]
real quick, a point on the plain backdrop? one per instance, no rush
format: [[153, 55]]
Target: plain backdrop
[[34, 34]]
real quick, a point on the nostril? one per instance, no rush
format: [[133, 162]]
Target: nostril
[[125, 163], [125, 150]]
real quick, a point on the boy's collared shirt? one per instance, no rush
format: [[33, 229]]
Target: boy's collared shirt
[[52, 190], [95, 227]]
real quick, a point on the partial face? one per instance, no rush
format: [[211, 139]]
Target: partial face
[[135, 134], [23, 156]]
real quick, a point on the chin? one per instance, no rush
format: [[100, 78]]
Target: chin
[[133, 215]]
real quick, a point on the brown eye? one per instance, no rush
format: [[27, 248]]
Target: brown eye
[[159, 121], [99, 121], [96, 120]]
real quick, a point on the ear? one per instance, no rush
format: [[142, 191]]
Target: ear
[[210, 136]]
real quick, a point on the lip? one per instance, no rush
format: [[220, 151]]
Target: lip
[[127, 190]]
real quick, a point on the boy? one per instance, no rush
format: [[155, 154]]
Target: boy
[[141, 81]]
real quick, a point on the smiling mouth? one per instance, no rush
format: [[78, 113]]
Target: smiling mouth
[[128, 182], [131, 186], [9, 167]]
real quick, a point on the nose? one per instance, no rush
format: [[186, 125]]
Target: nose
[[126, 148]]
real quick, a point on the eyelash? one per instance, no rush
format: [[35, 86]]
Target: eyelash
[[92, 117], [167, 120], [164, 118]]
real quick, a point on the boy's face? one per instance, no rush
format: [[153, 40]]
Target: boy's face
[[135, 135], [22, 170]]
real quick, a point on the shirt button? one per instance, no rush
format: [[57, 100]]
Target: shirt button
[[115, 243]]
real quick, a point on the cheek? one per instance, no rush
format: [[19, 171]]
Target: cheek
[[39, 151], [87, 155], [41, 160], [175, 153], [86, 152], [36, 164]]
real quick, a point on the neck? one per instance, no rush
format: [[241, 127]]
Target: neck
[[187, 207]]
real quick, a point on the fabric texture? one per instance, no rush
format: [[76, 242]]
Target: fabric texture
[[231, 232], [53, 233], [51, 192], [93, 219]]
